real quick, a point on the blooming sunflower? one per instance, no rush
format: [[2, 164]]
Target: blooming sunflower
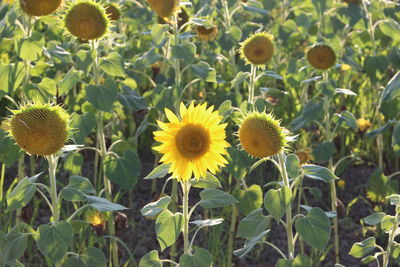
[[258, 49], [206, 34], [39, 129], [164, 8], [87, 20], [39, 7], [321, 56], [193, 143], [261, 135]]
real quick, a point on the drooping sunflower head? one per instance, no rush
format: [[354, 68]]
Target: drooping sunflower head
[[113, 11], [87, 20], [194, 143], [321, 56], [304, 155], [183, 18], [39, 7], [258, 49], [164, 8], [261, 135], [39, 129], [207, 34]]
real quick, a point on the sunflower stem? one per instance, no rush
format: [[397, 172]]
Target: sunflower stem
[[53, 187], [186, 189], [3, 172], [392, 235], [253, 73], [103, 151], [289, 222]]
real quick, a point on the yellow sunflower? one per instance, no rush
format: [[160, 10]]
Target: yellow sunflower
[[363, 124], [206, 34], [258, 49], [321, 56], [193, 143], [39, 129], [261, 135]]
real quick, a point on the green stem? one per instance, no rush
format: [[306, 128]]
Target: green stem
[[53, 187], [253, 74], [177, 62], [392, 235], [103, 151], [232, 234], [3, 172], [289, 222], [186, 189]]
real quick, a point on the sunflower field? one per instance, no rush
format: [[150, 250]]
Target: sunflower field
[[225, 133]]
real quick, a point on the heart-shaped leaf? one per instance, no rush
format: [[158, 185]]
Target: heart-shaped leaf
[[200, 258], [276, 201], [168, 228]]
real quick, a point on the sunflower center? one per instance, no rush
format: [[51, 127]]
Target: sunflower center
[[192, 141]]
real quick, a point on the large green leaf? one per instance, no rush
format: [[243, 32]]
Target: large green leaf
[[77, 188], [154, 208], [204, 71], [54, 240], [200, 258], [276, 201], [123, 171], [92, 257], [210, 181], [113, 64], [392, 89], [168, 228], [12, 245], [314, 228], [249, 198], [22, 193], [319, 173], [253, 224], [214, 198], [151, 259], [102, 204], [362, 248], [103, 96]]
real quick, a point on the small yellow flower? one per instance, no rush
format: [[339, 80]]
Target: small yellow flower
[[258, 49], [262, 136], [39, 7], [207, 34], [193, 143], [39, 129], [363, 124], [87, 20], [341, 184], [345, 67], [95, 218], [321, 56]]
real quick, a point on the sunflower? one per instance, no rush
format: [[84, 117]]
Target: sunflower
[[363, 124], [39, 7], [193, 143], [258, 48], [164, 8], [261, 135], [113, 11], [206, 34], [321, 56], [87, 20], [304, 155], [39, 129]]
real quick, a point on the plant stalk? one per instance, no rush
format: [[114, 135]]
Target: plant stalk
[[289, 222], [253, 73], [186, 189], [392, 235]]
